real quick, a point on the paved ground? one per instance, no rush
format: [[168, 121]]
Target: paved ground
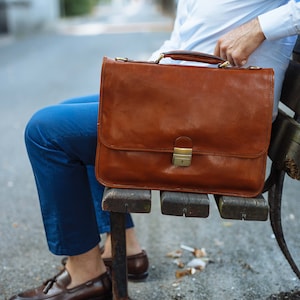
[[46, 67]]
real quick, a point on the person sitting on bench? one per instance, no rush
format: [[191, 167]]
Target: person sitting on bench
[[61, 139]]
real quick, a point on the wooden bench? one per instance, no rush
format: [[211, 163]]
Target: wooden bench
[[284, 152]]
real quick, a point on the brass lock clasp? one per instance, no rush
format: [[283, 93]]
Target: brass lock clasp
[[182, 157]]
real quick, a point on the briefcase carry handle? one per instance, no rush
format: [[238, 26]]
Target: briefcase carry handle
[[192, 56]]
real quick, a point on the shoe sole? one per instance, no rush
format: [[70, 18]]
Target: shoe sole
[[137, 277]]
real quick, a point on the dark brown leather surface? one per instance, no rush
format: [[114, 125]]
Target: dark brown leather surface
[[225, 114], [56, 289]]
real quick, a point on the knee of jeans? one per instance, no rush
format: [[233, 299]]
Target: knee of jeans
[[37, 128]]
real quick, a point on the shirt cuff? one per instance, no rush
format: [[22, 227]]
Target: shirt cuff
[[281, 22]]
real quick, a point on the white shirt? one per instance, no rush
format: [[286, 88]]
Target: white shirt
[[200, 23]]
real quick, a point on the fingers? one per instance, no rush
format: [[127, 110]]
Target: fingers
[[235, 58], [238, 44], [227, 51]]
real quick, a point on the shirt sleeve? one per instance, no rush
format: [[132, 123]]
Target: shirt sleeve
[[281, 22]]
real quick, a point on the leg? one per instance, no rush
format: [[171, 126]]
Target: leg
[[85, 266], [137, 259], [61, 141], [103, 217]]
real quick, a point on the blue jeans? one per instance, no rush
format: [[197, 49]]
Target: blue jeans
[[61, 144]]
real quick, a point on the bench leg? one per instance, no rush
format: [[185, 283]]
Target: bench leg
[[275, 197], [119, 261]]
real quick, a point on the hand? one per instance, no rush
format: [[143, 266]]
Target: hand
[[237, 45]]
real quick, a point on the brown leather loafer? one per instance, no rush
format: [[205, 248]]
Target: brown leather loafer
[[137, 265], [99, 288]]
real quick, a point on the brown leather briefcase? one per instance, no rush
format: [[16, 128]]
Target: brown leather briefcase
[[202, 129]]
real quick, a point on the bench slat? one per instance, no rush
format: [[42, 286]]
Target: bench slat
[[126, 200], [239, 208], [184, 204]]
